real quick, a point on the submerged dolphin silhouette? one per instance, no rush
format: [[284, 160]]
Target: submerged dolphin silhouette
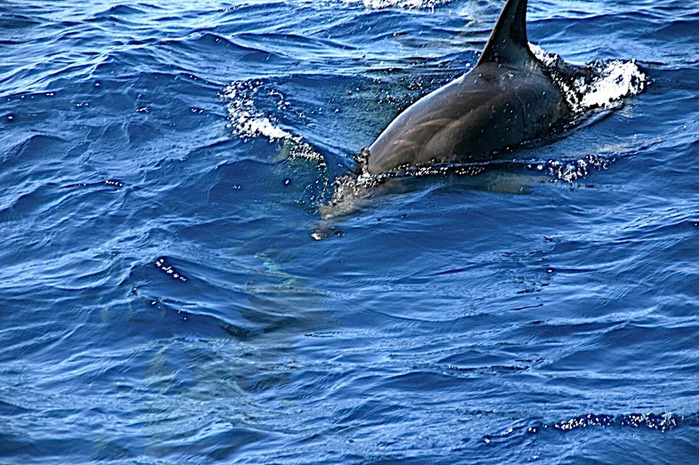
[[507, 98]]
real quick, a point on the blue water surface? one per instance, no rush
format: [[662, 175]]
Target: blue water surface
[[172, 292]]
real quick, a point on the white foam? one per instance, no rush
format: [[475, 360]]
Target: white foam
[[605, 84], [542, 55], [410, 4], [248, 121], [349, 194], [618, 79]]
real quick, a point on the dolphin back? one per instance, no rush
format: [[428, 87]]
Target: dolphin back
[[506, 99]]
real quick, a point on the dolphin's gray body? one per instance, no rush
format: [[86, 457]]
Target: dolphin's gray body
[[506, 99]]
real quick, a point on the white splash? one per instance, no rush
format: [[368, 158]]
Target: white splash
[[410, 4], [247, 121], [349, 194], [547, 58], [600, 84], [617, 79], [571, 170]]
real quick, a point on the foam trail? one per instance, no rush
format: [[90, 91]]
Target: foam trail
[[409, 4], [247, 121]]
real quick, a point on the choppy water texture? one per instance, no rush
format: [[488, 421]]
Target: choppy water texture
[[175, 290]]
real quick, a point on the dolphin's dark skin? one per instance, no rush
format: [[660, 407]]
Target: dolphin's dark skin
[[506, 99]]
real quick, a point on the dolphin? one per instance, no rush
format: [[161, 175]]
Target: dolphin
[[509, 97]]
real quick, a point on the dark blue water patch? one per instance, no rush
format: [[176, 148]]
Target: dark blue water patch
[[507, 317]]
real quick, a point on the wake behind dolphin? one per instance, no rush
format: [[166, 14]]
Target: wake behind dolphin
[[511, 96]]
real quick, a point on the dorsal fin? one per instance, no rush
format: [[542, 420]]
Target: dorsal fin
[[508, 42]]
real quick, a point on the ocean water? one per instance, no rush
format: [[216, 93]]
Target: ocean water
[[190, 273]]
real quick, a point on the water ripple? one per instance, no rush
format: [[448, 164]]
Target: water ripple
[[165, 297]]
